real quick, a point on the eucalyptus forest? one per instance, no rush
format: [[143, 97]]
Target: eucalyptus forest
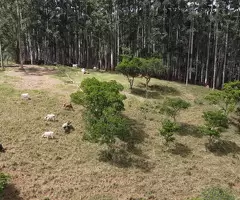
[[197, 40]]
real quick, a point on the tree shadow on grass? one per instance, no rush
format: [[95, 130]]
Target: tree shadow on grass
[[189, 129], [11, 193], [162, 89], [181, 149], [142, 93], [223, 147], [129, 154]]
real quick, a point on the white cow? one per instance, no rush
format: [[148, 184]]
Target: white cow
[[48, 134], [50, 117], [25, 96], [75, 65], [83, 70]]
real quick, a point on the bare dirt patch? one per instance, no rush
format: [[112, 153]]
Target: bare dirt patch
[[34, 78]]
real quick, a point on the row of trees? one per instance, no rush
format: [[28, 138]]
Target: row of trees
[[199, 40]]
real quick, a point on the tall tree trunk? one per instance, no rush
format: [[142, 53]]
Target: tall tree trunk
[[191, 53], [215, 56], [19, 28], [225, 57], [196, 71], [1, 55], [30, 48], [208, 47]]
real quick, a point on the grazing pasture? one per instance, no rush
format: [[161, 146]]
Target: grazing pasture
[[68, 168]]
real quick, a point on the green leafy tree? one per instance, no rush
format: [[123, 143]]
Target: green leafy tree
[[226, 99], [173, 106], [168, 130], [129, 68], [215, 122], [96, 96], [149, 68], [103, 103]]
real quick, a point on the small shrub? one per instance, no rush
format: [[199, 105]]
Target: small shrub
[[226, 99], [215, 122], [216, 193], [3, 181], [216, 119], [172, 107], [168, 130]]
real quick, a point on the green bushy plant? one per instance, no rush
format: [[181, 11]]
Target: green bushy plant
[[3, 181], [168, 130], [106, 129], [151, 67], [216, 119], [103, 104], [216, 193], [96, 96], [215, 122], [129, 67], [172, 106], [226, 99]]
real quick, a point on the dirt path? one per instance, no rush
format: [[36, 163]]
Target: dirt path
[[34, 77], [39, 78]]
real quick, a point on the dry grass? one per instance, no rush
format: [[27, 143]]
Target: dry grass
[[68, 168]]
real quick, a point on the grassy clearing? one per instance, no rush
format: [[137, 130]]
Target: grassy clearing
[[68, 168]]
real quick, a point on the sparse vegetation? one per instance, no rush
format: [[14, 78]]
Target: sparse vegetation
[[3, 182], [217, 193], [215, 121], [168, 130], [226, 99], [172, 107]]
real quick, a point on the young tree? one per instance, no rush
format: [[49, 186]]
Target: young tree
[[172, 107], [168, 130], [149, 68], [215, 121], [129, 68], [227, 98], [103, 103]]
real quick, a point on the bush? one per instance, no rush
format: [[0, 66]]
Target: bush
[[107, 128], [96, 96], [103, 103], [226, 99], [168, 130], [216, 193], [172, 106], [3, 182], [216, 119]]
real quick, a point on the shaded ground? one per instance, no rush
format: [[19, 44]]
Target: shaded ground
[[68, 168]]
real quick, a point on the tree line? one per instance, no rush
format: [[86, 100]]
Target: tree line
[[198, 40]]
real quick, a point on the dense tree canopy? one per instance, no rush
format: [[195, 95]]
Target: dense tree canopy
[[199, 40]]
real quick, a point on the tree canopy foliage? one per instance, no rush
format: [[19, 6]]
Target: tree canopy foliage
[[103, 103]]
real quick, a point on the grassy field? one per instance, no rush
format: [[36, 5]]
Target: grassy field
[[68, 168]]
